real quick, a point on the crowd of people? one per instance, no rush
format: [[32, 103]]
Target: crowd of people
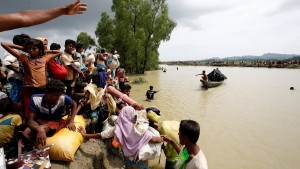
[[40, 85], [35, 98]]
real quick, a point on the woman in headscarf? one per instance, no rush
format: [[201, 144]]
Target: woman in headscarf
[[131, 134]]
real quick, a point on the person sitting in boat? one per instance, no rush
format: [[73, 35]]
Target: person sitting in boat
[[150, 93], [204, 76]]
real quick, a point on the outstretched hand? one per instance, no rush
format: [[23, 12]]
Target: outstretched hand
[[76, 8], [137, 106], [81, 130], [166, 138]]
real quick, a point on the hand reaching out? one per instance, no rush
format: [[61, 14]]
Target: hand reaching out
[[81, 130], [166, 138], [137, 106], [76, 8]]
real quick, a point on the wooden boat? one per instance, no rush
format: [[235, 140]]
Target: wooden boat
[[209, 84], [215, 78]]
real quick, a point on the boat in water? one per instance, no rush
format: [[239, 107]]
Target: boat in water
[[215, 78], [209, 84]]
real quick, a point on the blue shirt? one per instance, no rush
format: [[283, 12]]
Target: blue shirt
[[49, 113]]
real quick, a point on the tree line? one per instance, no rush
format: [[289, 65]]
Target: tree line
[[135, 31]]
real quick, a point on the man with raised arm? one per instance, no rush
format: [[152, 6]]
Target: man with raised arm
[[34, 17]]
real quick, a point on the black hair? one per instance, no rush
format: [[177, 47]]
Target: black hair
[[126, 87], [55, 86], [78, 46], [103, 50], [6, 105], [20, 39], [88, 78], [37, 43], [70, 41], [55, 46], [190, 129], [151, 87], [113, 50]]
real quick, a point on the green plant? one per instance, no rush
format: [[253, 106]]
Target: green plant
[[139, 80]]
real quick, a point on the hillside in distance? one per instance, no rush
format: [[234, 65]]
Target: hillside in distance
[[266, 56]]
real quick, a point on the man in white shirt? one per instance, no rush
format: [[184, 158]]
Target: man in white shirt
[[190, 154]]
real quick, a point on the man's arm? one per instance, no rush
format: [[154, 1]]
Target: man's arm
[[71, 125], [35, 17], [172, 142], [41, 130], [75, 68], [156, 139], [82, 131], [55, 54], [31, 123]]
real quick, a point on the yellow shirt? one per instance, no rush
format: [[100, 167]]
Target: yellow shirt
[[171, 153], [7, 127]]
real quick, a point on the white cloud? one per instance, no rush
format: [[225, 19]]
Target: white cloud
[[232, 29], [205, 28]]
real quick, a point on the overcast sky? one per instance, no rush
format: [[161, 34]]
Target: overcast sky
[[205, 28]]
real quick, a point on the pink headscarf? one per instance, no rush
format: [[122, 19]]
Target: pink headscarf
[[125, 134]]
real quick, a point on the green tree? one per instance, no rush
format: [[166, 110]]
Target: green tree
[[86, 40], [141, 26], [137, 29], [105, 31], [158, 27]]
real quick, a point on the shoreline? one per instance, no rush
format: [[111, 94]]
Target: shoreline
[[254, 64]]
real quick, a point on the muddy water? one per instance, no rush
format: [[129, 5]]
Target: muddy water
[[250, 121]]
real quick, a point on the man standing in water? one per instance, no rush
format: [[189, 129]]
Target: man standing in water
[[150, 93], [190, 154]]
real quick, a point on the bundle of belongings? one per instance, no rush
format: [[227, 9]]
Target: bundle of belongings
[[216, 75]]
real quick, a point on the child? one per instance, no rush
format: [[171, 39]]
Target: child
[[9, 121], [46, 112], [68, 62], [35, 78], [190, 154]]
